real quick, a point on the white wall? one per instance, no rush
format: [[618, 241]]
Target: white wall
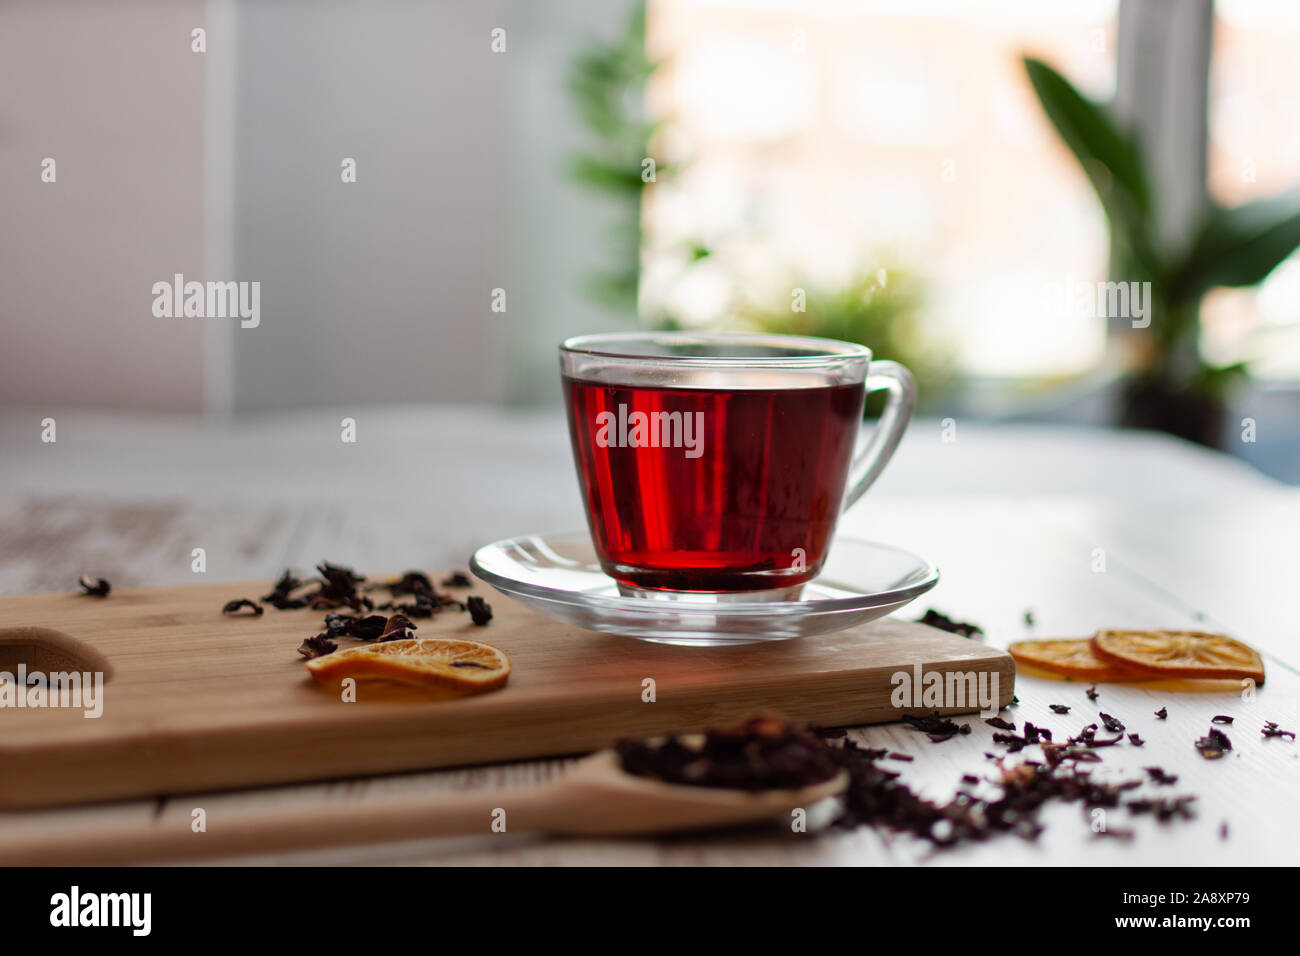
[[381, 290], [114, 95], [377, 290], [226, 165]]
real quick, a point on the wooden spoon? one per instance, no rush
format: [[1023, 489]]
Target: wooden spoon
[[595, 797]]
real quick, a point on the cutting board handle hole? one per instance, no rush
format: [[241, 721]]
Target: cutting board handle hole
[[45, 650]]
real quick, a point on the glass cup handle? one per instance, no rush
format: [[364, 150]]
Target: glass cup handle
[[873, 458]]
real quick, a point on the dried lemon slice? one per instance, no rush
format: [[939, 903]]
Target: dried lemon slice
[[1193, 654], [1068, 658], [468, 667]]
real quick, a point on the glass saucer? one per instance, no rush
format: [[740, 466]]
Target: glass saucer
[[558, 575]]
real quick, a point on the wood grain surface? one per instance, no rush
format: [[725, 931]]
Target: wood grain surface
[[198, 699]]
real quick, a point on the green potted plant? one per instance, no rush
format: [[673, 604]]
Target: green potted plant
[[1166, 383]]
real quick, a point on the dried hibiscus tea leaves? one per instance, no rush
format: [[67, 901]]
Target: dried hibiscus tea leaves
[[1159, 777], [412, 582], [397, 628], [1088, 737], [999, 723], [1092, 693], [317, 646], [1014, 743], [1034, 734], [365, 628], [426, 604], [1271, 729], [1111, 724], [937, 728], [943, 622], [1059, 708], [339, 589], [239, 604], [1164, 808], [94, 587], [1214, 744], [480, 611], [765, 753], [1163, 713], [281, 597], [878, 797], [457, 579], [1221, 719]]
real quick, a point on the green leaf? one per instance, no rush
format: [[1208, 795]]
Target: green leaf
[[607, 176], [1240, 246], [1109, 158]]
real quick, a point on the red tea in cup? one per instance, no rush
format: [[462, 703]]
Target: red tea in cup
[[718, 464]]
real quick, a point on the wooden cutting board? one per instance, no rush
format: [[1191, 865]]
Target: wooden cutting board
[[198, 701]]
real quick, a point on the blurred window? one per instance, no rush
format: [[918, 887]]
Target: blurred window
[[1255, 153], [824, 140]]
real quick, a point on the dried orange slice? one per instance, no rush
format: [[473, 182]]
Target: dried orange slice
[[1192, 654], [1068, 658], [467, 667]]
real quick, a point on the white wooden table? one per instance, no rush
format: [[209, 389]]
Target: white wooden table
[[1014, 517]]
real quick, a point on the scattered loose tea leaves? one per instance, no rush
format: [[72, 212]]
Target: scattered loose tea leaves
[[1136, 740], [1271, 729], [938, 728], [1035, 734], [1159, 777], [1221, 719], [1029, 618], [363, 627], [426, 604], [317, 646], [1164, 808], [1162, 713], [1111, 723], [1088, 737], [943, 622], [1059, 708], [397, 628], [1058, 754], [999, 723], [412, 582], [480, 612], [94, 587], [1214, 744], [1014, 743], [234, 607], [339, 589], [878, 797], [281, 597], [1116, 833], [764, 753], [1092, 693]]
